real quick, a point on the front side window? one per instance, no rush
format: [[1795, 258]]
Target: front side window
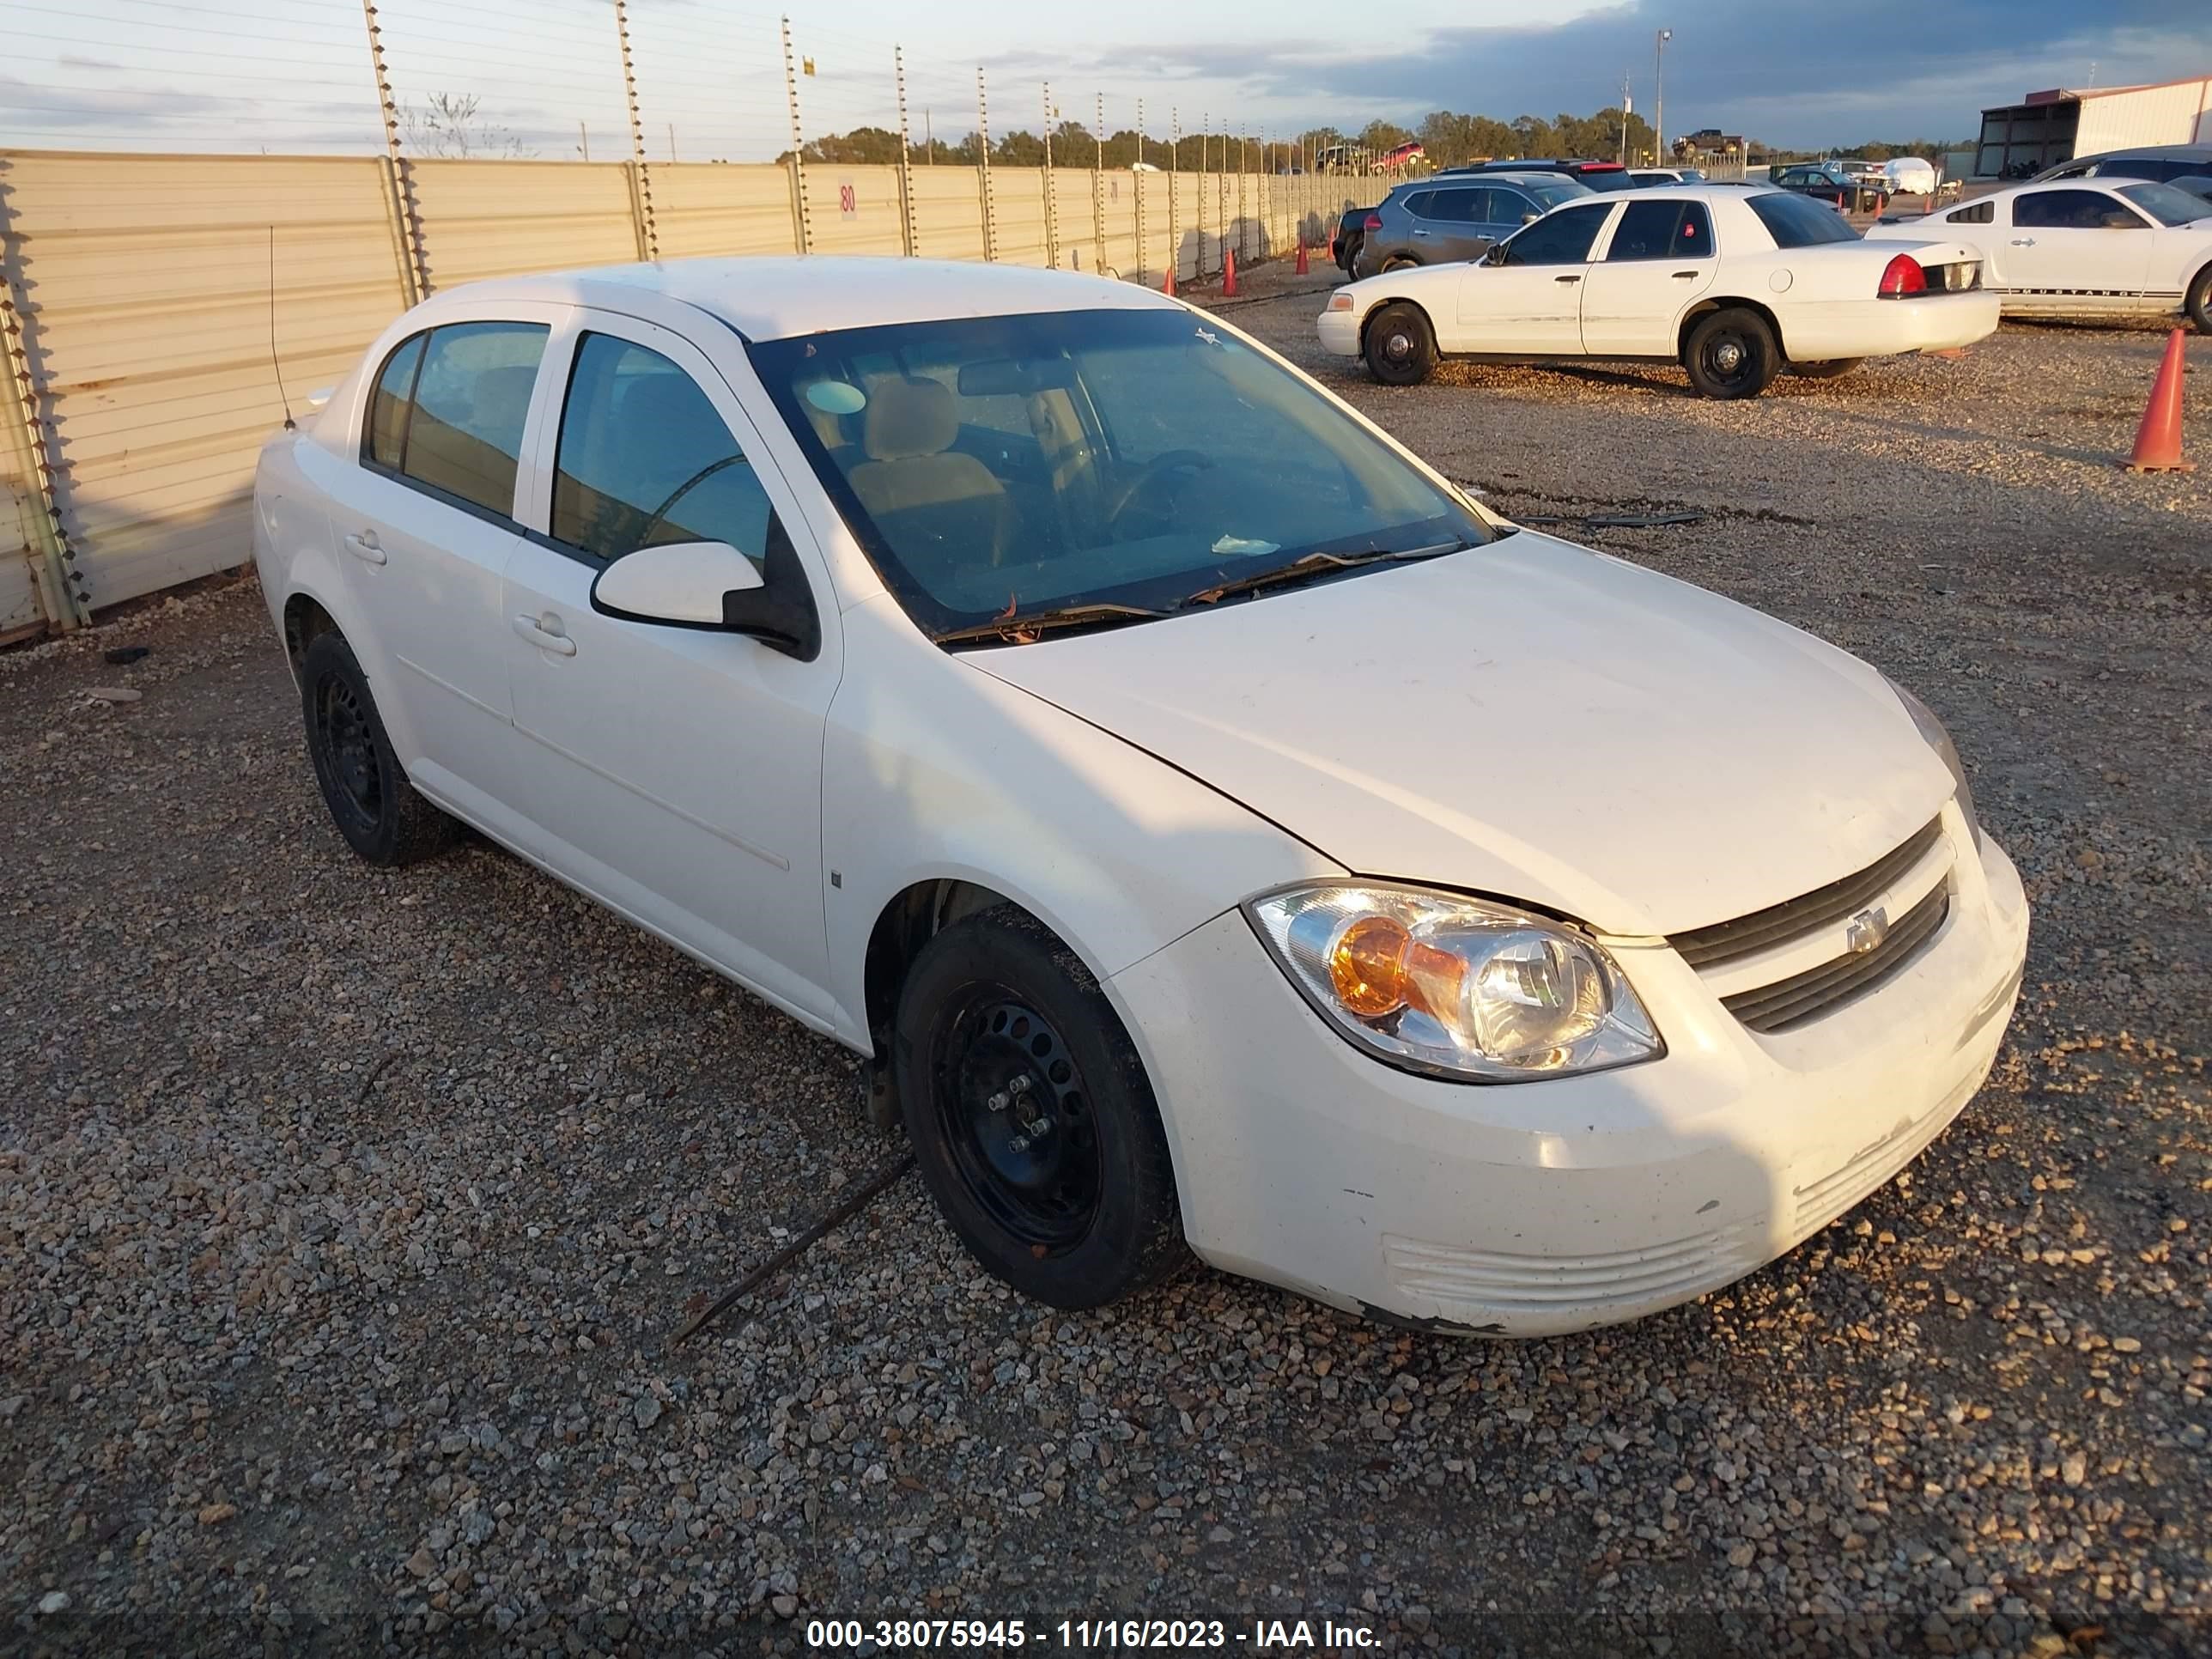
[[2167, 204], [2071, 210], [472, 399], [1800, 221], [1160, 457], [1661, 230], [644, 460], [1563, 238]]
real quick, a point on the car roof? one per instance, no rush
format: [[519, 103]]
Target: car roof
[[777, 296]]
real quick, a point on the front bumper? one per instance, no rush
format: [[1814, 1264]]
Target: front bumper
[[1340, 333], [1531, 1209]]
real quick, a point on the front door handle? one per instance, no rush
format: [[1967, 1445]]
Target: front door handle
[[536, 632], [2023, 241], [1566, 279], [363, 545], [1681, 275]]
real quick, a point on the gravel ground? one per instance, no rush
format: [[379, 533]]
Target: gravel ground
[[345, 1215]]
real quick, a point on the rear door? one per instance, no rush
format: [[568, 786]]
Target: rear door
[[426, 520], [1531, 304], [2075, 249], [1451, 225], [678, 770], [1659, 258]]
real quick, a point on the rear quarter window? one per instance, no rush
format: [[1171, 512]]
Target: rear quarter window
[[1800, 221]]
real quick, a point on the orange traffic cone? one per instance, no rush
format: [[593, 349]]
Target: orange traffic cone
[[1229, 283], [1167, 283], [2157, 440], [1302, 257]]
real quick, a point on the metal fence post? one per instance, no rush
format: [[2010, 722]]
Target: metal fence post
[[1243, 212], [983, 172], [64, 598], [1175, 170], [906, 153], [649, 239], [1204, 146], [1051, 220], [414, 263], [802, 223], [1098, 185], [1137, 184]]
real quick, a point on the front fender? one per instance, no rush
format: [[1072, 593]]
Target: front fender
[[934, 770]]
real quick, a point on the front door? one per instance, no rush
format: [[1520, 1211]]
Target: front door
[[1531, 303], [1658, 260], [2071, 249], [679, 774], [425, 517]]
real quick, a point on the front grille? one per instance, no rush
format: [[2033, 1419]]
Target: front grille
[[1791, 1001], [1815, 912]]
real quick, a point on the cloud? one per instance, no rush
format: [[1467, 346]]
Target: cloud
[[1788, 75]]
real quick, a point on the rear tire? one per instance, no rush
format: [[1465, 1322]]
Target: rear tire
[[1030, 1115], [1400, 262], [1827, 371], [1731, 353], [2200, 300], [364, 786], [1401, 349]]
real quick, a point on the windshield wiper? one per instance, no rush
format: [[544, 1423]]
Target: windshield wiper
[[1020, 628], [1315, 565]]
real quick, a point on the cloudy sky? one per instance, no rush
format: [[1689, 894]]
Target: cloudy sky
[[285, 75]]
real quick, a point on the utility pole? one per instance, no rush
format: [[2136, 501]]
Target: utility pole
[[1659, 98]]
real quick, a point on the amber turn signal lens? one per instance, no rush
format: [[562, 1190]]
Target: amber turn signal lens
[[1376, 967]]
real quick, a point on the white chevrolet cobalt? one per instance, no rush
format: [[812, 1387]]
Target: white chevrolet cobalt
[[1220, 830], [1733, 285]]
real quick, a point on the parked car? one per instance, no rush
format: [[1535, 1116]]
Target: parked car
[[1397, 159], [2087, 247], [2185, 167], [1594, 175], [1349, 234], [1032, 684], [1910, 175], [1646, 176], [1830, 182], [1454, 216], [1733, 285]]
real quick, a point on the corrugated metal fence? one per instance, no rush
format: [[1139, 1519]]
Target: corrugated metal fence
[[149, 300]]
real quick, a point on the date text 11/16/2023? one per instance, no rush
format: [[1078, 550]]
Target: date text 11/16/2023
[[1090, 1635]]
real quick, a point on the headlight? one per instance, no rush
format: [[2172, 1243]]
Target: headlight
[[1458, 986], [1940, 741]]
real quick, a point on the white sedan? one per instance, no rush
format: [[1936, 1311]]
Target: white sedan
[[1733, 285], [1219, 831], [2083, 247]]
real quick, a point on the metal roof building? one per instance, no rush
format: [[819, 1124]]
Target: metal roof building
[[2019, 140]]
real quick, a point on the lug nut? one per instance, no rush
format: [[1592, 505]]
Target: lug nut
[[997, 1102], [1019, 1143], [1020, 1085]]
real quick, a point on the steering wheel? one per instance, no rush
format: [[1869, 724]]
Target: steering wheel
[[1149, 493]]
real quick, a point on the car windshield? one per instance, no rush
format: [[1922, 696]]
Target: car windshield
[[2166, 203], [1800, 222], [999, 466]]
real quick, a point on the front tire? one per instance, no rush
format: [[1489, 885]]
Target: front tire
[[1827, 371], [1401, 349], [2200, 300], [1030, 1115], [1731, 353], [364, 786]]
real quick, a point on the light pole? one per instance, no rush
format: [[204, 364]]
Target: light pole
[[1659, 98]]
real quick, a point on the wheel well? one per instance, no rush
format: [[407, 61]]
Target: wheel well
[[303, 620], [1707, 307], [909, 921]]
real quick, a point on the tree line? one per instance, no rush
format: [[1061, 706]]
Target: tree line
[[1074, 145]]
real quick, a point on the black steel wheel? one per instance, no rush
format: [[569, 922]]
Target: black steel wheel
[[1399, 347], [1731, 353], [1031, 1118], [364, 786]]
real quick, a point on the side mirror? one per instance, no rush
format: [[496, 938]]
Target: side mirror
[[1496, 256], [712, 585], [1530, 218]]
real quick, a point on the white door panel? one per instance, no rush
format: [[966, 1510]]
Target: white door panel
[[1657, 259], [1536, 309]]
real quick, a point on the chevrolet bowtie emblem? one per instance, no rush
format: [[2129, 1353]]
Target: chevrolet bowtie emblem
[[1867, 930]]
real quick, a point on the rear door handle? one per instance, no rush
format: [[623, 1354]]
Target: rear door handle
[[1418, 231], [363, 545], [536, 632], [1566, 279]]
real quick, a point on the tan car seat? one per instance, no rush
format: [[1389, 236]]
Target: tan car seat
[[936, 506]]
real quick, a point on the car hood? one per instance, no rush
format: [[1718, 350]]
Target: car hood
[[1526, 720]]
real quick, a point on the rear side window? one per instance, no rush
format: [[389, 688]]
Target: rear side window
[[1974, 213], [386, 440], [645, 460], [1800, 221], [2070, 210], [1661, 230], [1455, 207], [1561, 237], [471, 398]]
